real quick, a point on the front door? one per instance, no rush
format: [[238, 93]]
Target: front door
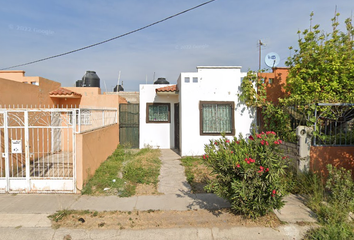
[[177, 126]]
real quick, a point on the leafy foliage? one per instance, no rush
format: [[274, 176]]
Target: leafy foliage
[[250, 96], [322, 69], [248, 173], [333, 207]]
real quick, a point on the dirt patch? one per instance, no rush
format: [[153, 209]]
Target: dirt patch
[[146, 189], [162, 219]]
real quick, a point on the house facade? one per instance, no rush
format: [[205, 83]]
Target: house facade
[[200, 107]]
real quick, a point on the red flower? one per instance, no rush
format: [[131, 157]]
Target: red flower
[[203, 156], [238, 142], [274, 192], [251, 137], [280, 141], [238, 166], [284, 157], [276, 142], [232, 152], [261, 169], [267, 143], [227, 140], [267, 170], [216, 143], [207, 156], [259, 136]]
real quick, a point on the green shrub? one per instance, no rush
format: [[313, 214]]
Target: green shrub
[[341, 187], [248, 173], [336, 231], [333, 210]]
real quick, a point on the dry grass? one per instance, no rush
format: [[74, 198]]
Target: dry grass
[[126, 173], [197, 173], [161, 219]]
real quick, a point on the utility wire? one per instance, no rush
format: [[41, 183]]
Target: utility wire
[[111, 39]]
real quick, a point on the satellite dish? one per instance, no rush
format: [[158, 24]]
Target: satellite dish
[[272, 59]]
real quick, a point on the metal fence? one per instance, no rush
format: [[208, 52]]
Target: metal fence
[[88, 119], [334, 124], [38, 148]]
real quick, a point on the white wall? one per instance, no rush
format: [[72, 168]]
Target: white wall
[[156, 135], [214, 84]]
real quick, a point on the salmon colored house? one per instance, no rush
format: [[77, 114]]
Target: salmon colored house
[[275, 83], [92, 147]]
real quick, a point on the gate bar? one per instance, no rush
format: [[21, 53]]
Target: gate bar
[[7, 165], [27, 155]]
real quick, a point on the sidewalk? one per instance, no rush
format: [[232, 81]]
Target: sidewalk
[[26, 214]]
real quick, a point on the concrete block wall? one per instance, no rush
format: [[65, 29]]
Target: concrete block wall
[[291, 151]]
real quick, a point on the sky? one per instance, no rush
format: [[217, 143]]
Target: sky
[[221, 33]]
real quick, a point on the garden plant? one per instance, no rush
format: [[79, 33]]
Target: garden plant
[[248, 172]]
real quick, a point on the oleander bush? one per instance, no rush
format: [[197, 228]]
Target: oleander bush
[[248, 172]]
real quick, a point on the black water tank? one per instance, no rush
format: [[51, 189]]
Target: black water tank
[[90, 79], [161, 81], [79, 83], [119, 88]]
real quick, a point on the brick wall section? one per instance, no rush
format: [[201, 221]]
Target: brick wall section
[[291, 150]]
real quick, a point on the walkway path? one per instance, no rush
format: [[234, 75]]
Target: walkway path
[[172, 179]]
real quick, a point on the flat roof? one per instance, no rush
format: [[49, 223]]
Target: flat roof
[[219, 67]]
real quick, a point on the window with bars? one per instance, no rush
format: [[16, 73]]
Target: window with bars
[[158, 113], [217, 118]]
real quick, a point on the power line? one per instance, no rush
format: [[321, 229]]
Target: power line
[[111, 39]]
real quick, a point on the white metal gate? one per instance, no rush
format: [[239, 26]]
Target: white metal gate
[[37, 150]]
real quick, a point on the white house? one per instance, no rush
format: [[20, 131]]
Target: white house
[[200, 107]]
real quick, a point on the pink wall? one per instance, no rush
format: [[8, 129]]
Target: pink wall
[[93, 148]]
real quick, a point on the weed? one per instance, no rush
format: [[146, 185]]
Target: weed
[[337, 231], [331, 201], [94, 214], [197, 173], [67, 237], [59, 215], [122, 171]]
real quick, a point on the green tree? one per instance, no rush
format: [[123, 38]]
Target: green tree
[[322, 68]]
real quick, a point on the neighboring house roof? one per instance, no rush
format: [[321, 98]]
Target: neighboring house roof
[[169, 89], [122, 99], [64, 93]]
